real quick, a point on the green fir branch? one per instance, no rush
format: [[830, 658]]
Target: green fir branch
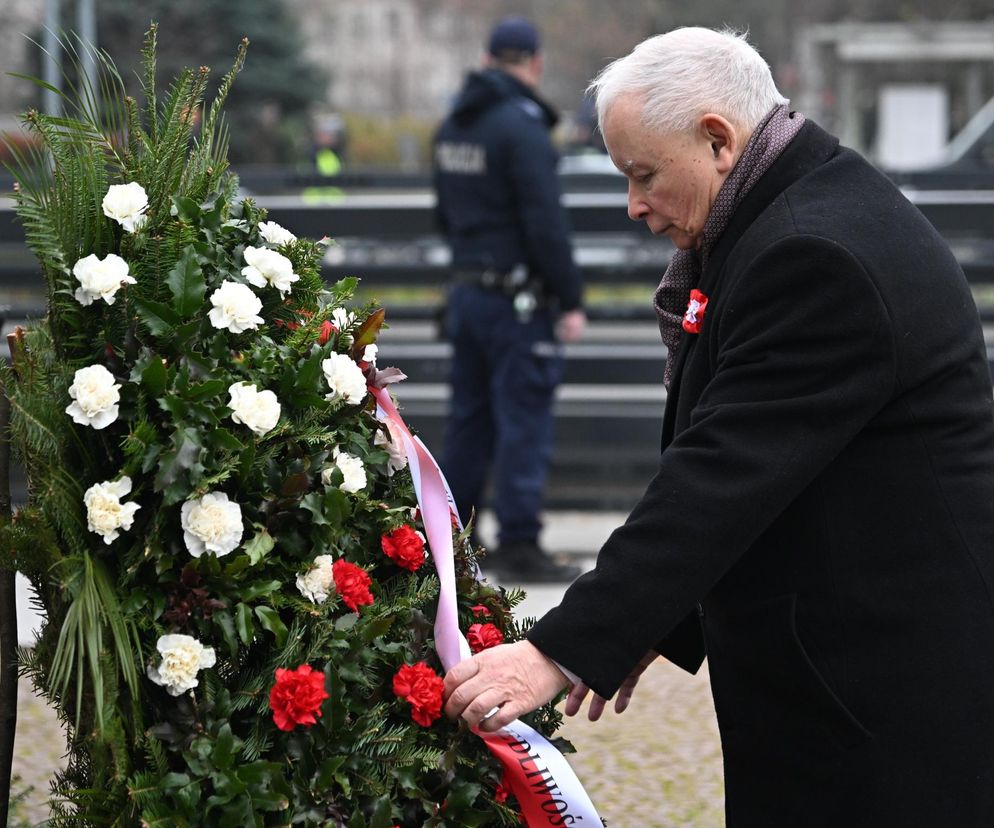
[[148, 60], [208, 161]]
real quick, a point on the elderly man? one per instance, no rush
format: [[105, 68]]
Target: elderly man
[[821, 525]]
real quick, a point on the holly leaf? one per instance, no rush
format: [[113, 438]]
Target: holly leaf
[[377, 627], [223, 439], [243, 623], [185, 333], [259, 588], [186, 281], [186, 209], [237, 566], [205, 390], [326, 772], [306, 400], [308, 373], [260, 545], [337, 507], [211, 219], [178, 464], [159, 319], [224, 747], [382, 814], [224, 620], [270, 620], [154, 377], [174, 780], [314, 503]]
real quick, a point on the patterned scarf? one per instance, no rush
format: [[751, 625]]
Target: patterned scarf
[[768, 140]]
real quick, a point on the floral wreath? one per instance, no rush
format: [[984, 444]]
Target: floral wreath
[[221, 533]]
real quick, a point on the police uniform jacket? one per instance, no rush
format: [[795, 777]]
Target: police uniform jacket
[[497, 186], [826, 496]]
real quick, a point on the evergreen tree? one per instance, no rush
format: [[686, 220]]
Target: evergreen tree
[[267, 111]]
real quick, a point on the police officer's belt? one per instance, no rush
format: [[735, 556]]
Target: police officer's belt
[[508, 283]]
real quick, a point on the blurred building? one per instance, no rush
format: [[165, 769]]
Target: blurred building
[[896, 91], [19, 19], [392, 57]]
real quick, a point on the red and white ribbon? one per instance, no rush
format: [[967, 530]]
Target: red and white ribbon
[[537, 774]]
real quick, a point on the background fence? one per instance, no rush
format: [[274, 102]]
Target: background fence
[[610, 405]]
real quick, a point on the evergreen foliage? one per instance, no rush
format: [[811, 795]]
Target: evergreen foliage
[[213, 755]]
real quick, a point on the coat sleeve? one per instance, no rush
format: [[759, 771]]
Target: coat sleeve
[[544, 225], [802, 358], [684, 644]]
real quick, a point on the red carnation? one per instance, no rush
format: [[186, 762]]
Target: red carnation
[[483, 637], [296, 697], [327, 329], [405, 547], [479, 609], [422, 687], [352, 583]]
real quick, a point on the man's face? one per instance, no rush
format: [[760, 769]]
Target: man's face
[[672, 179]]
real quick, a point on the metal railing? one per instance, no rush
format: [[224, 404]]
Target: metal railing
[[612, 383]]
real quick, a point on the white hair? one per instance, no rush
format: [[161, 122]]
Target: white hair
[[688, 72]]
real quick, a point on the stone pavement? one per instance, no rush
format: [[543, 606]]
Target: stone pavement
[[656, 766]]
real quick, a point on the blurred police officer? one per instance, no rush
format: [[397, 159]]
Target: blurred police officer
[[516, 293]]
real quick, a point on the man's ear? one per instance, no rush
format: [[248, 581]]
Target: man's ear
[[724, 138], [537, 66]]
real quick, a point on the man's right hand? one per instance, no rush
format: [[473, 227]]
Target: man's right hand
[[570, 325]]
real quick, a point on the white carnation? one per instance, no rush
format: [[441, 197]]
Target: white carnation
[[105, 514], [183, 656], [211, 523], [342, 318], [267, 267], [95, 397], [272, 233], [351, 468], [126, 204], [236, 308], [394, 444], [100, 278], [318, 582], [259, 410], [345, 379]]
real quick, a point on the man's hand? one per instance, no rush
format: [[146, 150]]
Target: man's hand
[[516, 678], [597, 704], [570, 325]]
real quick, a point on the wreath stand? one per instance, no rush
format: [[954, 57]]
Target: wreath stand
[[8, 626]]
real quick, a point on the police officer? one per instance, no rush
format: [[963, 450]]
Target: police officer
[[515, 297]]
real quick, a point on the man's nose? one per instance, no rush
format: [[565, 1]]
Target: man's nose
[[637, 208]]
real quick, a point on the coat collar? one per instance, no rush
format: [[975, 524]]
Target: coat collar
[[811, 148]]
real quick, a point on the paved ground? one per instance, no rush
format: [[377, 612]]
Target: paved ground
[[656, 766]]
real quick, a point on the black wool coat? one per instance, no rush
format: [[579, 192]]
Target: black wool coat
[[822, 520]]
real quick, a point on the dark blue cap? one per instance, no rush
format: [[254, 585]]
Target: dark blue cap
[[514, 34]]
